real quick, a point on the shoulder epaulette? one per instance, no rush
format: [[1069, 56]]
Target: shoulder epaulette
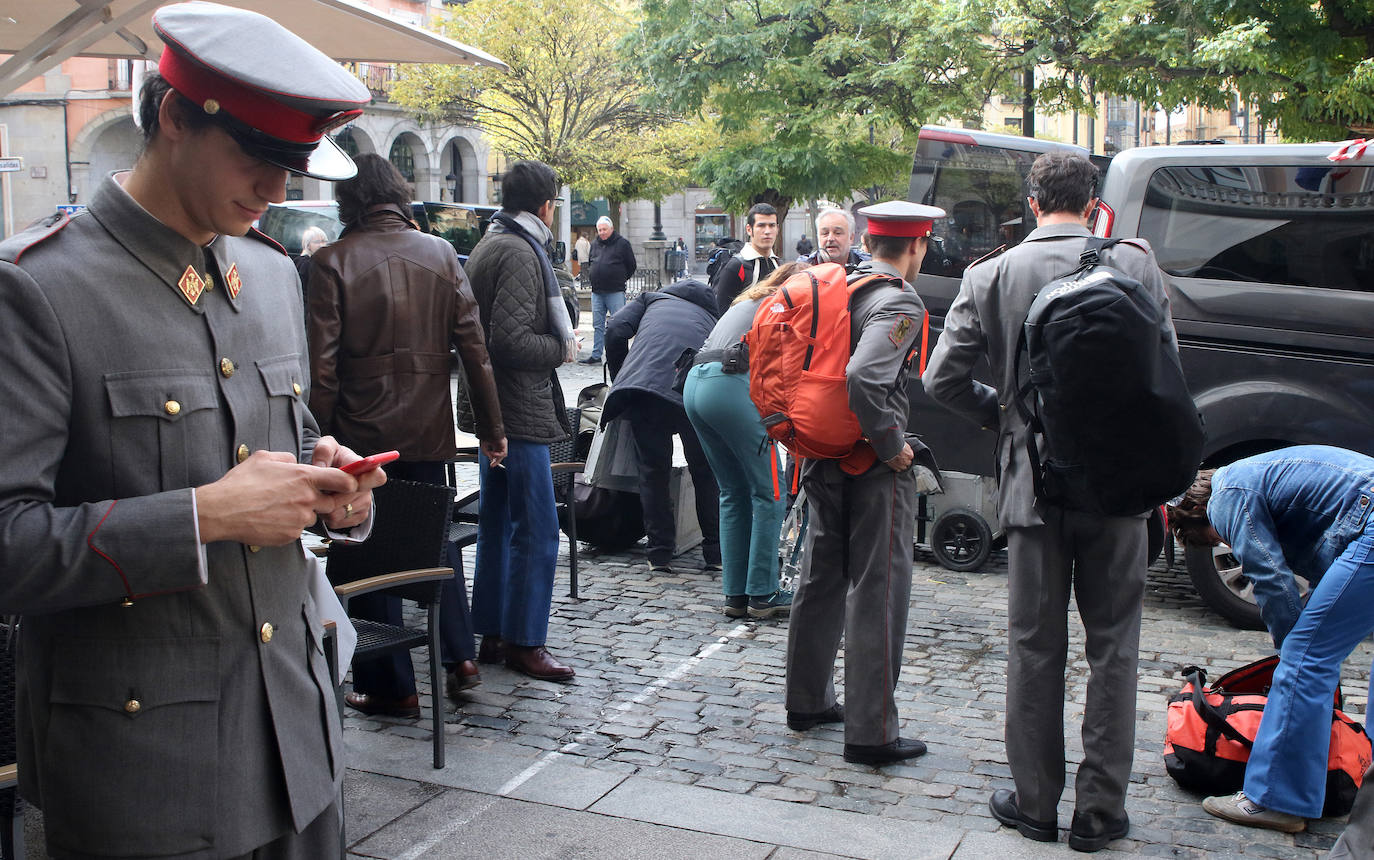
[[255, 233], [21, 242], [995, 252], [1136, 242]]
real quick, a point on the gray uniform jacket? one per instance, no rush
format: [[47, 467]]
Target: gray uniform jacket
[[164, 708], [986, 319]]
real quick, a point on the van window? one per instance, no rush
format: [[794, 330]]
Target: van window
[[461, 227], [1308, 226], [983, 190], [286, 223]]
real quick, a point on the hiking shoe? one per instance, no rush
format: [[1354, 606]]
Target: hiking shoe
[[777, 603], [1242, 810], [660, 567], [736, 605]]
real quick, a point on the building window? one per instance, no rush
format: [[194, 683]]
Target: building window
[[403, 158], [1014, 122], [347, 142]]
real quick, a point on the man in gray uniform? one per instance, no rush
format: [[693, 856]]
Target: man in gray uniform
[[856, 569], [1052, 550], [157, 466]]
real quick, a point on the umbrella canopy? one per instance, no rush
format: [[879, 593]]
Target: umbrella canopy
[[43, 33]]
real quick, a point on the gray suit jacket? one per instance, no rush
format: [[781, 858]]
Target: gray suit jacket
[[157, 713], [986, 319]]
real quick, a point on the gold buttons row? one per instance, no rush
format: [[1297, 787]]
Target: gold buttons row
[[226, 369]]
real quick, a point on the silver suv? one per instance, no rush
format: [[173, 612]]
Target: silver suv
[[1268, 251]]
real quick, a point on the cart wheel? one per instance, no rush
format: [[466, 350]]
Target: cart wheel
[[961, 539]]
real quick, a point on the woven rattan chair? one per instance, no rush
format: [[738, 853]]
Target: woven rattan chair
[[563, 456], [403, 557]]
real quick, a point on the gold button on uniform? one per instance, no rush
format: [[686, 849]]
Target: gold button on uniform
[[243, 453], [226, 368], [266, 632], [132, 706], [171, 407], [296, 387], [252, 548]]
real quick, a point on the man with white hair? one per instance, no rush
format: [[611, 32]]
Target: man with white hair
[[612, 263], [834, 238]]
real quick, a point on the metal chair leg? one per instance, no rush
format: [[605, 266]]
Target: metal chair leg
[[436, 681]]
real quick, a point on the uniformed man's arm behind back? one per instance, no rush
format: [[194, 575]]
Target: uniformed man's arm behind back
[[878, 366]]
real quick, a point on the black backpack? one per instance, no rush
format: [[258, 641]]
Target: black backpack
[[1100, 380], [720, 256]]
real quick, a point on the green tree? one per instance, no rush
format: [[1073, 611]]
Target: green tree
[[1308, 65], [565, 100], [813, 98], [645, 166]]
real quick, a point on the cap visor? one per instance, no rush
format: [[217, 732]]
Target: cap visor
[[327, 162]]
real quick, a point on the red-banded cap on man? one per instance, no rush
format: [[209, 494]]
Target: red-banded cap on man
[[901, 219], [271, 91]]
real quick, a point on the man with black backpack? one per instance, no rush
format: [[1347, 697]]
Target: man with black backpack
[[753, 262], [1058, 539]]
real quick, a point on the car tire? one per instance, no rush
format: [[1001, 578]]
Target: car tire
[[1217, 576], [961, 539]]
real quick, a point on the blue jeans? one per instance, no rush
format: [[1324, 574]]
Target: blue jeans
[[603, 305], [1287, 768], [517, 546], [745, 468]]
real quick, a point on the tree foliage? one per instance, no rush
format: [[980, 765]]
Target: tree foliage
[[813, 98], [566, 99], [1308, 65]]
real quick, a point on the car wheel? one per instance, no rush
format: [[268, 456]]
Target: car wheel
[[1219, 580], [961, 539]]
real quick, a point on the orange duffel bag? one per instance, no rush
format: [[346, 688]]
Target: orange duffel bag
[[1210, 732]]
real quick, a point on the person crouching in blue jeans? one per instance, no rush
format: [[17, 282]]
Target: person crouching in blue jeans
[[1301, 511], [745, 465]]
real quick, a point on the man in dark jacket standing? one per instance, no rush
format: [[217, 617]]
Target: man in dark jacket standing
[[387, 303], [524, 317], [612, 263], [754, 262], [663, 324]]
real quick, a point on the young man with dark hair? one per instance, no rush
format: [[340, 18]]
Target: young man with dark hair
[[855, 581], [527, 339], [1052, 551], [1302, 511], [174, 695], [754, 262], [386, 305]]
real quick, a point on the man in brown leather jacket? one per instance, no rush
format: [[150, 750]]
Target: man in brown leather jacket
[[385, 303]]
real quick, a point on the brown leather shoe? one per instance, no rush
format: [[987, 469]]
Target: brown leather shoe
[[538, 663], [464, 676], [493, 650], [374, 705]]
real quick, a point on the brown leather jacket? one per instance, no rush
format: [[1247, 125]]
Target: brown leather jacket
[[385, 303]]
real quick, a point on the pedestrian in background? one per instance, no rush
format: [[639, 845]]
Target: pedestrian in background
[[612, 264], [662, 325], [855, 580], [746, 466], [1304, 512], [528, 337], [387, 303], [804, 246], [1052, 551]]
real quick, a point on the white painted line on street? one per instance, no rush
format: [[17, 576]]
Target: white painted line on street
[[445, 833], [644, 695]]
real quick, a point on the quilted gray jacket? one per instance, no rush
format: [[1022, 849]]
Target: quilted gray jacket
[[525, 353]]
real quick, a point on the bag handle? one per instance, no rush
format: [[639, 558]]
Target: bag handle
[[1197, 677]]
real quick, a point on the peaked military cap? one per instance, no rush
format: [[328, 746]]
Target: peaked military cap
[[900, 218], [274, 93]]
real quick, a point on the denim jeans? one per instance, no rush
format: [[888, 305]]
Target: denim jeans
[[603, 305], [746, 468], [517, 546]]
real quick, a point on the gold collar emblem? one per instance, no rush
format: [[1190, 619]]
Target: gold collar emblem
[[191, 285], [233, 281]]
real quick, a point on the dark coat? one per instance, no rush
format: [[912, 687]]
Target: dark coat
[[386, 303], [662, 324], [613, 262]]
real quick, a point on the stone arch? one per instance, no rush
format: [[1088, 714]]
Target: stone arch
[[460, 170], [109, 142], [408, 152], [361, 141]]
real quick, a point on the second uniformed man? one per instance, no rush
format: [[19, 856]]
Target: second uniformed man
[[856, 571]]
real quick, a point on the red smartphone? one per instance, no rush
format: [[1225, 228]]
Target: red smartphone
[[367, 464]]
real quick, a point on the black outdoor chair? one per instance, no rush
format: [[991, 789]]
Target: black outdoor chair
[[563, 457], [403, 556]]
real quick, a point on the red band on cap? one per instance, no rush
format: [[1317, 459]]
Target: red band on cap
[[900, 229], [246, 104]]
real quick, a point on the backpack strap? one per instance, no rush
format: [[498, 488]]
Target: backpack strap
[[1092, 251], [1209, 714]]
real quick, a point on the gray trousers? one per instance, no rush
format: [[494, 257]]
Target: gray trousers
[[1357, 840], [855, 582], [1103, 561], [322, 838]]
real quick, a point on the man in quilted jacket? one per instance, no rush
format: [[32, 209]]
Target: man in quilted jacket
[[517, 539]]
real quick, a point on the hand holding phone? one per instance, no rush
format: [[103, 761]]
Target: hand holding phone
[[367, 464]]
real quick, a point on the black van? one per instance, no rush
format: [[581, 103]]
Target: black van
[[462, 224], [1268, 252]]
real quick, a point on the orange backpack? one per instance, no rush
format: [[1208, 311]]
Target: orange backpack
[[798, 352]]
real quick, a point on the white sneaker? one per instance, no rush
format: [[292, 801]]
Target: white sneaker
[[1243, 810]]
